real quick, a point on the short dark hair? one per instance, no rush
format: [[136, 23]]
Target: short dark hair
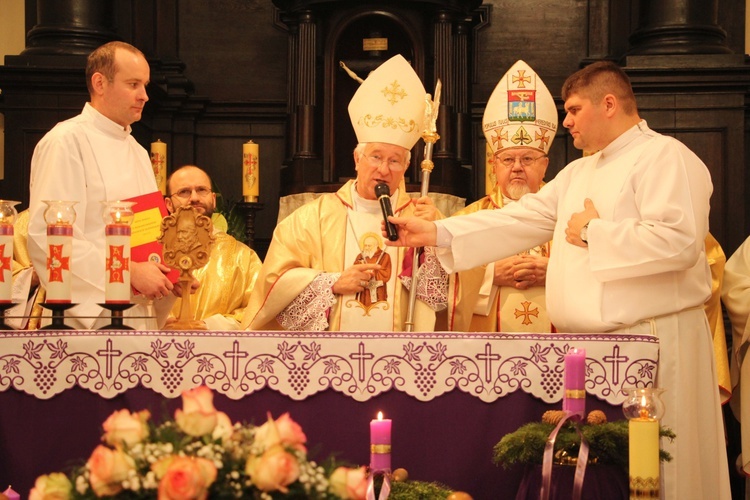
[[599, 79], [102, 60]]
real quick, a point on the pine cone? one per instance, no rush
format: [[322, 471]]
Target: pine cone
[[596, 417], [553, 416]]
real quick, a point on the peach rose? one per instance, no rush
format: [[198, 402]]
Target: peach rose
[[108, 468], [184, 478], [198, 415], [267, 435], [274, 470], [224, 427], [123, 427], [349, 484], [55, 486], [290, 432]]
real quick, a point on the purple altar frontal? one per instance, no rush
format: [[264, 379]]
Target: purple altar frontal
[[451, 397]]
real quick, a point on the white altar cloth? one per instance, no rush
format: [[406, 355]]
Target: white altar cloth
[[44, 363]]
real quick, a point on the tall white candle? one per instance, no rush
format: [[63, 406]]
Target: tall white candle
[[250, 171], [159, 164]]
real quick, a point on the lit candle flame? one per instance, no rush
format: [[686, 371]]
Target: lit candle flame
[[59, 217], [380, 415]]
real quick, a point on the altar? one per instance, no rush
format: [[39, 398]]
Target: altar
[[451, 396]]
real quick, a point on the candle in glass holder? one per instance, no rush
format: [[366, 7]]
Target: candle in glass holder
[[117, 216], [380, 444], [159, 164], [643, 408], [574, 398], [8, 216], [250, 171], [60, 216]]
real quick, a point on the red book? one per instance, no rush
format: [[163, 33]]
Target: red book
[[149, 210]]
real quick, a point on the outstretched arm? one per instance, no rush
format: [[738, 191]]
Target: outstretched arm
[[412, 232]]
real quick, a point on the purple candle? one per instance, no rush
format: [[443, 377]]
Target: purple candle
[[380, 444], [574, 399], [12, 495]]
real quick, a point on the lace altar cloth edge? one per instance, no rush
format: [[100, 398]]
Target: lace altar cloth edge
[[44, 363]]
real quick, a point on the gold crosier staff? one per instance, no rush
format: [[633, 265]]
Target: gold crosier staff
[[430, 137]]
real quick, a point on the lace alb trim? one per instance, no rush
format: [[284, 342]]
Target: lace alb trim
[[309, 310], [433, 282]]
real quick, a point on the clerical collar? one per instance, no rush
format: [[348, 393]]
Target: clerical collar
[[105, 124], [636, 134]]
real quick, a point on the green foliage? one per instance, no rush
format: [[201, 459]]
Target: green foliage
[[608, 443], [418, 490], [229, 209]]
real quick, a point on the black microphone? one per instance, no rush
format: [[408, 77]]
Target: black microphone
[[383, 194]]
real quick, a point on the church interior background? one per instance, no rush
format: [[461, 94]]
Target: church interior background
[[227, 71]]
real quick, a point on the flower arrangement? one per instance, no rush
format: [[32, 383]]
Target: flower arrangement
[[608, 441], [201, 454]]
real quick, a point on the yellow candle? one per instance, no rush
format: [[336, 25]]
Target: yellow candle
[[159, 164], [643, 436], [250, 171], [489, 178]]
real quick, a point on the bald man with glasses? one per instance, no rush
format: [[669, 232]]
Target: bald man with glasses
[[508, 295], [227, 279]]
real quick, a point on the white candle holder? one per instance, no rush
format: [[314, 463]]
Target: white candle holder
[[60, 216], [644, 409], [117, 216], [8, 215]]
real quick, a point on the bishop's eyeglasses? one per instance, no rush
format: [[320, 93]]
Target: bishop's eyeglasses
[[525, 160]]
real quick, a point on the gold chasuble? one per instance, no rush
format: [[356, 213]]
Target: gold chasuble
[[227, 281], [318, 238], [476, 305], [716, 260]]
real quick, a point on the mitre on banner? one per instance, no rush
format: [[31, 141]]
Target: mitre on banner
[[389, 105], [520, 112]]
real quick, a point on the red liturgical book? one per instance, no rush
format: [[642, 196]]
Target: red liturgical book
[[149, 210]]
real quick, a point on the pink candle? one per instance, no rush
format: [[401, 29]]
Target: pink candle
[[12, 495], [380, 444], [117, 284], [574, 399], [6, 259], [59, 249]]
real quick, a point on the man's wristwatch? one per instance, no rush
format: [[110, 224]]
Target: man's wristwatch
[[584, 233]]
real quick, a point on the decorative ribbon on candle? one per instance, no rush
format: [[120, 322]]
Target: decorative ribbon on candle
[[250, 171], [159, 164], [549, 449], [385, 488], [380, 448]]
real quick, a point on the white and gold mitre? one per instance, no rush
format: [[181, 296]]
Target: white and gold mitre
[[520, 112], [389, 105]]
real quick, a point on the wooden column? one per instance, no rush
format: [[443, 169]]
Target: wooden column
[[678, 27]]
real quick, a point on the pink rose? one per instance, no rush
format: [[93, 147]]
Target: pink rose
[[290, 432], [184, 478], [267, 435], [274, 470], [55, 486], [349, 484], [123, 427], [108, 468], [198, 415]]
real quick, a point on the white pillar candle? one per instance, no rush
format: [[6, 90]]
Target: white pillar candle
[[6, 263], [59, 250], [117, 264]]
